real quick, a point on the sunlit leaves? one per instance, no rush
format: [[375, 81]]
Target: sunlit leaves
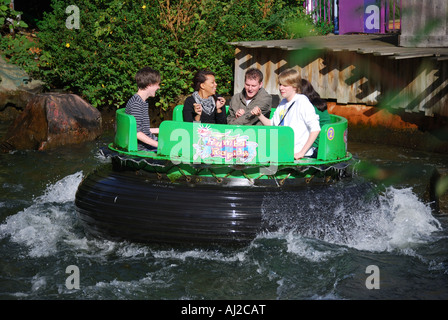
[[176, 37]]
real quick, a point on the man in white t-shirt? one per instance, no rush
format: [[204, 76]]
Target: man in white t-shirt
[[295, 111]]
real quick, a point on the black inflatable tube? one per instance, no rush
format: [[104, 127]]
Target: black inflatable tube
[[119, 203], [122, 205]]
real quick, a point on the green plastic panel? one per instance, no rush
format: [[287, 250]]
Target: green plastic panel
[[177, 113], [221, 143], [333, 139], [126, 135]]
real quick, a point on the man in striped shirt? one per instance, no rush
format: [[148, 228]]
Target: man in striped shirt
[[148, 82]]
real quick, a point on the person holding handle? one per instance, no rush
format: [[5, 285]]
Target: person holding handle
[[204, 105], [296, 111]]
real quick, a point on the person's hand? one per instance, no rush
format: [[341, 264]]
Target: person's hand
[[239, 113], [197, 108], [256, 111], [220, 103], [299, 155]]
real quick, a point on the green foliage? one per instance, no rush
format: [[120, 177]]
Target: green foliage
[[21, 51], [16, 48], [9, 18], [178, 37]]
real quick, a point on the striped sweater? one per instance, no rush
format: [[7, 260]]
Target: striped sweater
[[139, 109]]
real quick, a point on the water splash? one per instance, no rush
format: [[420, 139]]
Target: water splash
[[353, 216], [349, 215], [407, 221], [47, 221]]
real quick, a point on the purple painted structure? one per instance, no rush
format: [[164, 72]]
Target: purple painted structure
[[351, 16], [357, 16]]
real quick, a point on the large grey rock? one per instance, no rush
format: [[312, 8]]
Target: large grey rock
[[51, 120]]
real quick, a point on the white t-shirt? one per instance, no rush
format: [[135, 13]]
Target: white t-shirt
[[302, 118]]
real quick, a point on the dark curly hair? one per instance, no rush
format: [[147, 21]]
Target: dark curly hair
[[201, 77], [307, 89]]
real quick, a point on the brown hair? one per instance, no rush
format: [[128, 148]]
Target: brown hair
[[254, 74], [146, 77], [290, 77]]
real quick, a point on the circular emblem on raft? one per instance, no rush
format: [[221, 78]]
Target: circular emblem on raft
[[330, 133]]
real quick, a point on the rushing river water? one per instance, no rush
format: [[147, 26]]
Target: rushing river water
[[393, 248]]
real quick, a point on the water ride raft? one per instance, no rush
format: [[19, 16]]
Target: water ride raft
[[205, 184]]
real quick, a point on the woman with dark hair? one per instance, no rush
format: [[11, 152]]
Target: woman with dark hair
[[203, 105], [320, 105]]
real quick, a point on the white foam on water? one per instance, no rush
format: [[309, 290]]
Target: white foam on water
[[101, 158], [63, 190], [44, 224], [127, 288], [38, 283], [200, 254], [309, 250], [399, 221]]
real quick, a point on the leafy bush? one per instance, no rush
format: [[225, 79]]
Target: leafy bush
[[17, 48], [22, 51], [118, 37], [9, 18]]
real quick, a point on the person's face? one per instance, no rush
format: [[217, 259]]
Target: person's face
[[287, 91], [152, 88], [251, 87], [208, 87]]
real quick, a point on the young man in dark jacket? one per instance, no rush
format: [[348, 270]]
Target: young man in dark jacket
[[253, 95]]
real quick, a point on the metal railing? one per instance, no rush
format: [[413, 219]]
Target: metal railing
[[321, 10], [392, 15], [328, 11]]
